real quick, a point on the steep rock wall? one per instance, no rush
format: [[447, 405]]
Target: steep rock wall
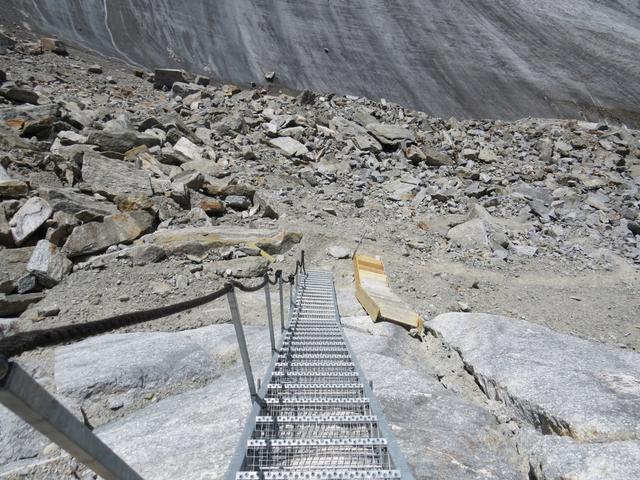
[[468, 58]]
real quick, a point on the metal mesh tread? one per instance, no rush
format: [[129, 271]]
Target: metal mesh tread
[[316, 421]]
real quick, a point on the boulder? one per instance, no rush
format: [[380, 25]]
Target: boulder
[[389, 134], [202, 239], [29, 218], [13, 266], [120, 141], [48, 264], [558, 383], [11, 305], [245, 267], [84, 207], [53, 45], [19, 94], [166, 77], [13, 188], [95, 237], [434, 158], [189, 149], [114, 177], [470, 234], [289, 146], [212, 206], [238, 202], [338, 252], [266, 203]]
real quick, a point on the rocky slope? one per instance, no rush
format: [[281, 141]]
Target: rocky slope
[[478, 59], [117, 196]]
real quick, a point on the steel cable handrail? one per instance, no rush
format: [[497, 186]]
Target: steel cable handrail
[[22, 342]]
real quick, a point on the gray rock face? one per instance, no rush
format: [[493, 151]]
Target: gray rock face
[[113, 177], [29, 218], [95, 237], [48, 264], [415, 65], [558, 383], [559, 458]]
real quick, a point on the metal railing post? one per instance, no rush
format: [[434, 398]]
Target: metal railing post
[[281, 304], [30, 401], [242, 342], [267, 297]]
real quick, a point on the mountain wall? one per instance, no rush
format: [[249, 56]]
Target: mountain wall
[[463, 58]]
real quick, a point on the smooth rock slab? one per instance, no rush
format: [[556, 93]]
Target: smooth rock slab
[[94, 237], [201, 239], [558, 383], [29, 218], [114, 177], [290, 146], [561, 458], [86, 208]]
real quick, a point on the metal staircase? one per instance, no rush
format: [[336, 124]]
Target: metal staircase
[[316, 416]]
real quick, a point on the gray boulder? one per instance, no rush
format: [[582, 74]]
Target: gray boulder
[[434, 158], [114, 177], [11, 305], [13, 266], [470, 234], [166, 77], [19, 94], [389, 134], [121, 140], [29, 218], [85, 207], [558, 383], [95, 237], [48, 264], [289, 146]]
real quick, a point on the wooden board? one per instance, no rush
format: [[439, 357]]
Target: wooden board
[[375, 295]]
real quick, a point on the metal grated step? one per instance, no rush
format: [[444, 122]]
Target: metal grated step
[[316, 420]]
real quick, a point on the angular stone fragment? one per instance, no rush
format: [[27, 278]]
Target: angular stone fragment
[[390, 134], [266, 203], [121, 141], [190, 179], [20, 94], [289, 146], [245, 267], [203, 239], [238, 202], [166, 77], [13, 266], [29, 218], [560, 384], [11, 305], [48, 264], [85, 207], [212, 206], [95, 237], [189, 149], [435, 158], [13, 188], [114, 177], [471, 234]]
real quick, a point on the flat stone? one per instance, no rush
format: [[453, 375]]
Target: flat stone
[[11, 305], [389, 134], [19, 94], [338, 252], [559, 458], [238, 202], [13, 188], [245, 267], [114, 177], [289, 146], [13, 266], [48, 264], [470, 234], [189, 149], [29, 218], [95, 237], [203, 239], [166, 77], [558, 383], [487, 156], [121, 141], [84, 207], [434, 158]]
